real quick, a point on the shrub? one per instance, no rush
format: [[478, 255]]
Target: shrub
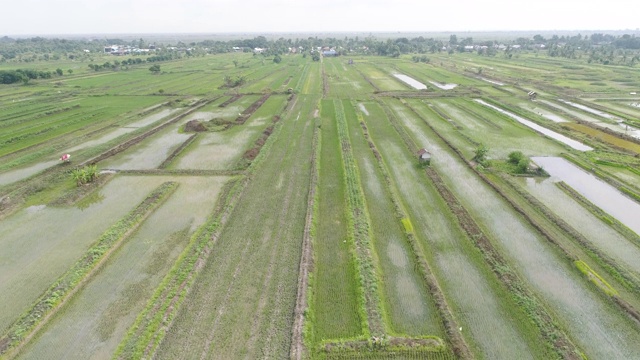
[[85, 175], [515, 157], [480, 154]]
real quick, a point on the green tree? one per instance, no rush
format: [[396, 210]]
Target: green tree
[[155, 68], [277, 59], [59, 71]]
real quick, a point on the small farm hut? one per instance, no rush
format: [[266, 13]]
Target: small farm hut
[[424, 156], [532, 95]]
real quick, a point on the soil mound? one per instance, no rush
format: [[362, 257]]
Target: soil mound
[[194, 126]]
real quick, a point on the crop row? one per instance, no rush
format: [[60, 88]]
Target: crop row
[[336, 308], [297, 351]]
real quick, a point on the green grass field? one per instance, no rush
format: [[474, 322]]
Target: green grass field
[[298, 222]]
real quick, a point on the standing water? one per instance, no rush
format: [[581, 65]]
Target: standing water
[[595, 190], [552, 134], [411, 81]]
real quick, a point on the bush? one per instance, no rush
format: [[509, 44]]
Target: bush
[[522, 165], [515, 157], [520, 161], [480, 154], [85, 175]]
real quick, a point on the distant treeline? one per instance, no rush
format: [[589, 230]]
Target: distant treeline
[[116, 64], [598, 47], [23, 75]]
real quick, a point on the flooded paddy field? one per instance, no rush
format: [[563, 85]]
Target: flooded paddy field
[[451, 254], [477, 123], [381, 79], [331, 238], [595, 190], [345, 80], [593, 229], [542, 111], [550, 133], [224, 149], [411, 81], [410, 308], [41, 242], [149, 153], [585, 314], [105, 308]]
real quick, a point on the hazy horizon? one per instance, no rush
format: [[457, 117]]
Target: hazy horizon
[[225, 17]]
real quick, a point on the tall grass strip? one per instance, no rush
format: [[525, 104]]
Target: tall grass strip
[[360, 224], [596, 279]]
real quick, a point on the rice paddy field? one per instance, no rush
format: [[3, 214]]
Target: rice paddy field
[[290, 216]]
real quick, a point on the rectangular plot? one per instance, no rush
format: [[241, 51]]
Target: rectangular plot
[[40, 243], [409, 307], [584, 313], [94, 322], [335, 287], [462, 273], [242, 302], [224, 150]]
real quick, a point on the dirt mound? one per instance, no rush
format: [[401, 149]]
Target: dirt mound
[[194, 126]]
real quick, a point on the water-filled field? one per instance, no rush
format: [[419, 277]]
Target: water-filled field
[[239, 205]]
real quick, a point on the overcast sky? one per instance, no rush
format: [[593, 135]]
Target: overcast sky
[[43, 17]]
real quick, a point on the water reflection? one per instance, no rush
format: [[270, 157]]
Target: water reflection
[[603, 195]]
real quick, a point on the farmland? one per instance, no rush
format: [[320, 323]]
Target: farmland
[[247, 208]]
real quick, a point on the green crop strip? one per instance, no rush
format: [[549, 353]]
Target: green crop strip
[[359, 222], [61, 290], [601, 283]]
